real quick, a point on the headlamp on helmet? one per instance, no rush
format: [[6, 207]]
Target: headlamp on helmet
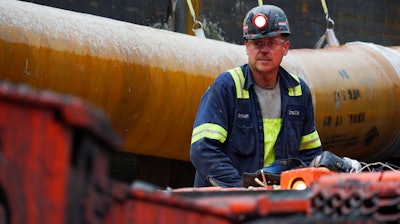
[[260, 21], [265, 21]]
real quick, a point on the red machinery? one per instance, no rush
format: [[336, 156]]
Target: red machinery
[[54, 169], [54, 148]]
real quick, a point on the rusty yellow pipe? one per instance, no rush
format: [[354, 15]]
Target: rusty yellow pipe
[[356, 91], [150, 81]]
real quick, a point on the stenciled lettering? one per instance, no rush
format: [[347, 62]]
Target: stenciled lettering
[[350, 94], [356, 118]]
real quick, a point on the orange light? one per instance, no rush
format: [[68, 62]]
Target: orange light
[[260, 21], [300, 179], [299, 184]]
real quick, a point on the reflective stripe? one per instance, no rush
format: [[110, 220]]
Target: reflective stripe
[[296, 91], [272, 128], [241, 93], [238, 78], [208, 130], [310, 141]]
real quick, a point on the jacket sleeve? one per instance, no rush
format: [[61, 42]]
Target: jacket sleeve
[[211, 131], [310, 141]]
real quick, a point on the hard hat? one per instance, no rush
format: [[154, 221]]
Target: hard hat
[[265, 21]]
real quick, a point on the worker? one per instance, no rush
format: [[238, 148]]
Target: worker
[[254, 114]]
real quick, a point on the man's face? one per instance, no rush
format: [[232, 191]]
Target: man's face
[[265, 54]]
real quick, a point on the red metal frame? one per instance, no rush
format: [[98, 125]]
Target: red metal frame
[[54, 169]]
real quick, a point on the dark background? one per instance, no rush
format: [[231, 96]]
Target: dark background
[[374, 21]]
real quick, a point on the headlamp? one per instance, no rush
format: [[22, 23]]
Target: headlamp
[[260, 21], [298, 184]]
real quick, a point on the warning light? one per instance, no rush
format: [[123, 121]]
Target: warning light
[[260, 21], [299, 184], [302, 178]]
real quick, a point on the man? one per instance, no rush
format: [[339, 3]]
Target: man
[[254, 114]]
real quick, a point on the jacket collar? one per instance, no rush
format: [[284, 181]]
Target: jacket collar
[[285, 79]]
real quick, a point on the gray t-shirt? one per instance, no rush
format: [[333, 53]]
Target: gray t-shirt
[[270, 101]]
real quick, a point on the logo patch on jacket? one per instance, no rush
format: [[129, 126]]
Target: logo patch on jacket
[[243, 116], [243, 119], [295, 112]]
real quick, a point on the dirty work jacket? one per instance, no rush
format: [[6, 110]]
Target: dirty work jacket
[[228, 137]]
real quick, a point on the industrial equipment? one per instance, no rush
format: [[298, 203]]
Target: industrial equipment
[[66, 74]]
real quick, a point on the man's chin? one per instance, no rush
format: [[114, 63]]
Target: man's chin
[[264, 67]]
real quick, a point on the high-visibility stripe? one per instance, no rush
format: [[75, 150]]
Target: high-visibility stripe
[[295, 77], [296, 91], [310, 141], [209, 130], [238, 78], [242, 93], [272, 127]]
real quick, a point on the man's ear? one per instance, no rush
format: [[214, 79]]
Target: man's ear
[[286, 45], [246, 44]]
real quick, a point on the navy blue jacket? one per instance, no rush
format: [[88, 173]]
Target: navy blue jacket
[[239, 125]]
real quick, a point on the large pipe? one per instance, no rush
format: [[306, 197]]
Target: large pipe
[[356, 94], [150, 81]]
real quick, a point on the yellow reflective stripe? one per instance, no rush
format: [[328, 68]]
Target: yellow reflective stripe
[[310, 141], [208, 130], [296, 91], [295, 77], [238, 78], [272, 126]]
